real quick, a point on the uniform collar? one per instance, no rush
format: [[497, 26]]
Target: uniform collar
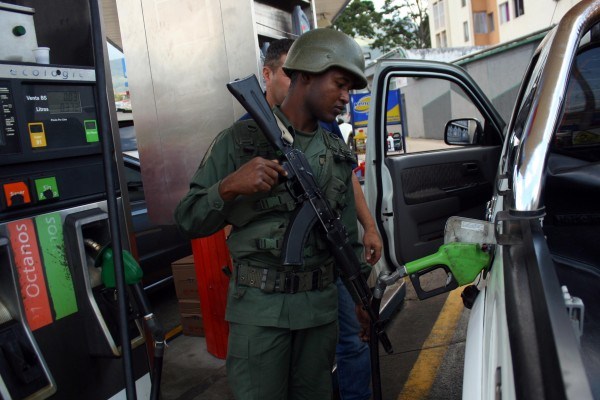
[[277, 111]]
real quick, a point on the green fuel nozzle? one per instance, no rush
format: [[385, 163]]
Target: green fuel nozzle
[[462, 262], [104, 257], [133, 271]]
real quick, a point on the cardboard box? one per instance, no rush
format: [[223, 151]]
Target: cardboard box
[[184, 278], [187, 306], [192, 324], [191, 317]]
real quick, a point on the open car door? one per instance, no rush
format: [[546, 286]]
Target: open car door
[[533, 327], [452, 143]]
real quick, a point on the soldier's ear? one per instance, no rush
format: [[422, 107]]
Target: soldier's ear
[[305, 77], [267, 74]]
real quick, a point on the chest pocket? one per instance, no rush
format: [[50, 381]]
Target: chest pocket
[[340, 151], [337, 170], [250, 143]]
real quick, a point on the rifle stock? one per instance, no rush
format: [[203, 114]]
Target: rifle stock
[[247, 91]]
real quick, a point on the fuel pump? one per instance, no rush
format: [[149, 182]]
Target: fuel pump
[[60, 335]]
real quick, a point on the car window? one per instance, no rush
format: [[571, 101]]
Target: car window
[[426, 105], [135, 187], [522, 114], [578, 135], [573, 175]]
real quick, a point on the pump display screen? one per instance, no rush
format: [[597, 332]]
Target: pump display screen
[[62, 112], [64, 102]]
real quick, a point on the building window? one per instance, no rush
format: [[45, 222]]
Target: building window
[[439, 18], [480, 22], [519, 8], [463, 3], [466, 30], [504, 13], [440, 40], [490, 22]]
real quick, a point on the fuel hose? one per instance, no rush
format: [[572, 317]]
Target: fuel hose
[[374, 350], [133, 275], [98, 41]]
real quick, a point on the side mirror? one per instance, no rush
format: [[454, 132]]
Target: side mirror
[[464, 131]]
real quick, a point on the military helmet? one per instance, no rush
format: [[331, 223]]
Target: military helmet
[[320, 49]]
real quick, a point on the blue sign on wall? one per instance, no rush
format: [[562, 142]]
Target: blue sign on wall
[[359, 106]]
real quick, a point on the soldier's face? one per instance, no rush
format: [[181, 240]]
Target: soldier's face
[[329, 93]]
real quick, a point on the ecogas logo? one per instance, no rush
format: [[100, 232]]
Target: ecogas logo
[[362, 105]]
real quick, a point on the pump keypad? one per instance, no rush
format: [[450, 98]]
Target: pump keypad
[[37, 134], [46, 188], [16, 193]]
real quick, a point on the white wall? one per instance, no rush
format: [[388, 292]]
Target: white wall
[[539, 14], [457, 16]]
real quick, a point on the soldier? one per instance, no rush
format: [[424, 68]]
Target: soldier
[[352, 355], [282, 337]]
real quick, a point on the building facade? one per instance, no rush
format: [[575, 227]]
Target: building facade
[[457, 23]]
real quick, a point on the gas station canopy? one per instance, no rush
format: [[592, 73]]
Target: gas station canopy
[[326, 11]]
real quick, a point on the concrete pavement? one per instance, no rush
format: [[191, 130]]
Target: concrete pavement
[[426, 364]]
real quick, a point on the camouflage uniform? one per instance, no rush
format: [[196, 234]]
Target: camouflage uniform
[[281, 344]]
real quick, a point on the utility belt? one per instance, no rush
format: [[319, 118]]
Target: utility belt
[[271, 280]]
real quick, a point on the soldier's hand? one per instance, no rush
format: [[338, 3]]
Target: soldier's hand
[[364, 321], [257, 175], [373, 245]]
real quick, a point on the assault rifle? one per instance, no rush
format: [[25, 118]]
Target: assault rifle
[[313, 206]]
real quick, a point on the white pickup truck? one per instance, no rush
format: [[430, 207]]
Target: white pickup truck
[[534, 327]]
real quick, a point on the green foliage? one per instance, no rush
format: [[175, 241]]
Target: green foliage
[[405, 23], [359, 18], [401, 23]]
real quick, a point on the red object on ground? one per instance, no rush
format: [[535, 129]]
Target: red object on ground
[[210, 256]]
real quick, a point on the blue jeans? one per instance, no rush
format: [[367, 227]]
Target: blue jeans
[[352, 355]]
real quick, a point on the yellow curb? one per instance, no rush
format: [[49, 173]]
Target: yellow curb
[[174, 332], [423, 373]]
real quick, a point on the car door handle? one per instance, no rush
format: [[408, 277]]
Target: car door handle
[[470, 168]]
